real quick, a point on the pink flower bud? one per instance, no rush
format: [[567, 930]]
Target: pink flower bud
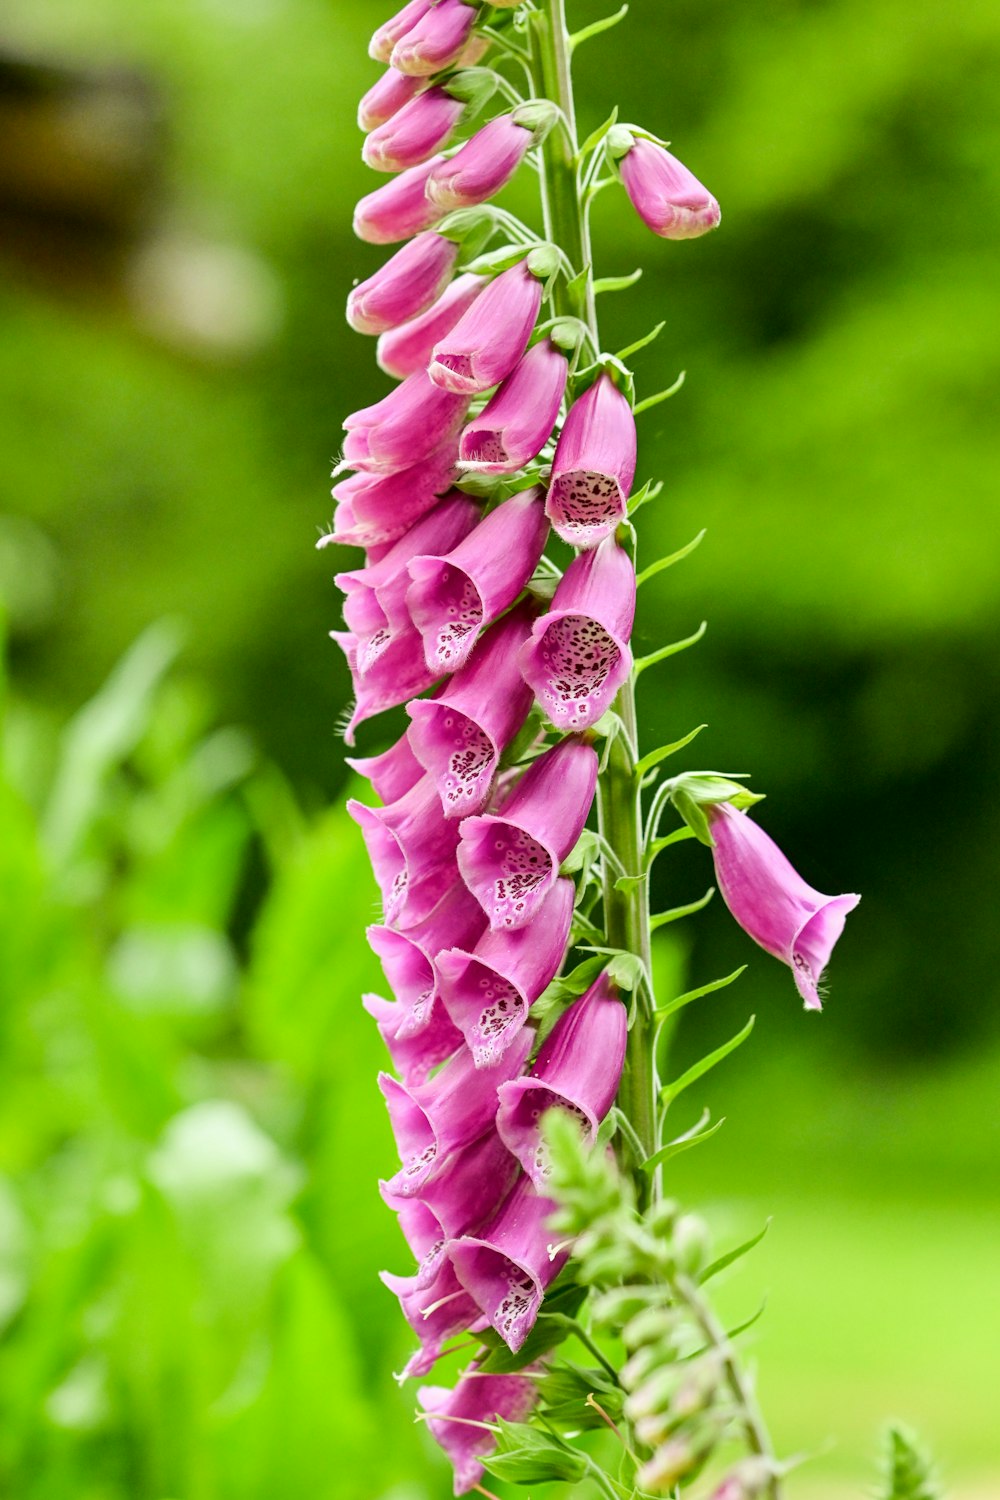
[[577, 1070], [436, 1311], [506, 1267], [455, 596], [481, 167], [405, 427], [518, 421], [578, 656], [403, 350], [489, 990], [667, 197], [409, 958], [386, 97], [412, 850], [487, 341], [413, 134], [437, 40], [374, 510], [388, 34], [594, 466], [511, 860], [407, 285], [476, 1399], [771, 901], [399, 209], [460, 735]]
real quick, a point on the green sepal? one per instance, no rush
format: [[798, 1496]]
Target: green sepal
[[693, 815], [649, 491], [529, 1455], [473, 86], [538, 116], [564, 1393], [616, 283], [596, 136], [710, 787], [544, 263], [492, 262], [566, 333], [618, 142], [572, 984], [676, 912], [671, 650], [649, 401], [648, 338], [670, 1091], [731, 1256], [684, 1142], [472, 228], [670, 559], [677, 837], [596, 28], [654, 757], [549, 1330], [584, 853], [627, 971]]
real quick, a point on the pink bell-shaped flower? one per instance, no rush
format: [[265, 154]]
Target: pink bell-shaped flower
[[667, 197], [408, 958], [577, 1070], [392, 773], [456, 1417], [460, 735], [414, 1054], [594, 466], [506, 1267], [407, 285], [399, 209], [771, 901], [374, 510], [578, 655], [412, 849], [488, 991], [487, 341], [389, 33], [384, 679], [511, 859], [436, 1311], [407, 348], [404, 428], [451, 1110], [437, 40], [414, 133], [386, 97], [517, 422], [453, 597], [480, 168]]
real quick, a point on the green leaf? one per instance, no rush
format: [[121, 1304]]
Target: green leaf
[[539, 1456], [548, 1331], [586, 849], [682, 1143], [572, 984], [671, 1091], [668, 562], [676, 912], [653, 334], [677, 837], [596, 136], [616, 283], [595, 29], [908, 1471], [693, 815], [671, 650], [731, 1256], [649, 491], [651, 401], [627, 970], [491, 262], [655, 756], [704, 989]]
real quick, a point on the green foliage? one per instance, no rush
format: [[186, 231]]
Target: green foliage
[[908, 1471]]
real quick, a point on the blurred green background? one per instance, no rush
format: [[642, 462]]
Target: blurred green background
[[190, 1131]]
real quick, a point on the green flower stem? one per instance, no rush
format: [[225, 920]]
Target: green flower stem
[[626, 908]]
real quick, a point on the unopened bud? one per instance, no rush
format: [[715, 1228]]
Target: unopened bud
[[649, 1324], [668, 1464], [747, 1481], [668, 198], [690, 1244]]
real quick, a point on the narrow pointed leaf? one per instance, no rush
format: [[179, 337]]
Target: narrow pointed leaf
[[676, 912], [732, 1256], [616, 283], [668, 562], [651, 401], [694, 816], [654, 333], [649, 491], [682, 1143], [671, 650], [595, 29], [704, 989], [677, 837], [655, 756], [596, 136], [670, 1091]]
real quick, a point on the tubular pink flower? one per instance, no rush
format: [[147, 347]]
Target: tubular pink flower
[[407, 285], [414, 133], [476, 1399], [487, 992], [386, 97], [383, 680], [667, 197], [399, 209], [392, 773], [517, 422], [447, 1113], [771, 901], [403, 350], [511, 860], [413, 1054], [374, 510], [487, 341], [578, 1070], [415, 420], [507, 1266], [578, 655], [388, 34], [436, 1311], [594, 466], [455, 596], [437, 40], [412, 849], [408, 958], [481, 167], [460, 735]]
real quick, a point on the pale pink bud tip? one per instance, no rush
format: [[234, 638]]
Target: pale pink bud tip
[[437, 40], [399, 209], [406, 286], [413, 134], [771, 901], [388, 34], [484, 165], [386, 97], [667, 197]]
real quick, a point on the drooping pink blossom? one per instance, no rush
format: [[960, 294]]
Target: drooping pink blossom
[[436, 1311], [506, 1267], [392, 773], [398, 209], [577, 1070], [454, 596], [407, 285], [386, 97], [412, 849], [414, 1054], [668, 198], [488, 990], [407, 348], [460, 734], [374, 510], [383, 680], [511, 859], [578, 655], [479, 169], [517, 422], [594, 465], [385, 37], [404, 428], [414, 133], [409, 959], [771, 901], [477, 1399], [487, 341], [437, 40]]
